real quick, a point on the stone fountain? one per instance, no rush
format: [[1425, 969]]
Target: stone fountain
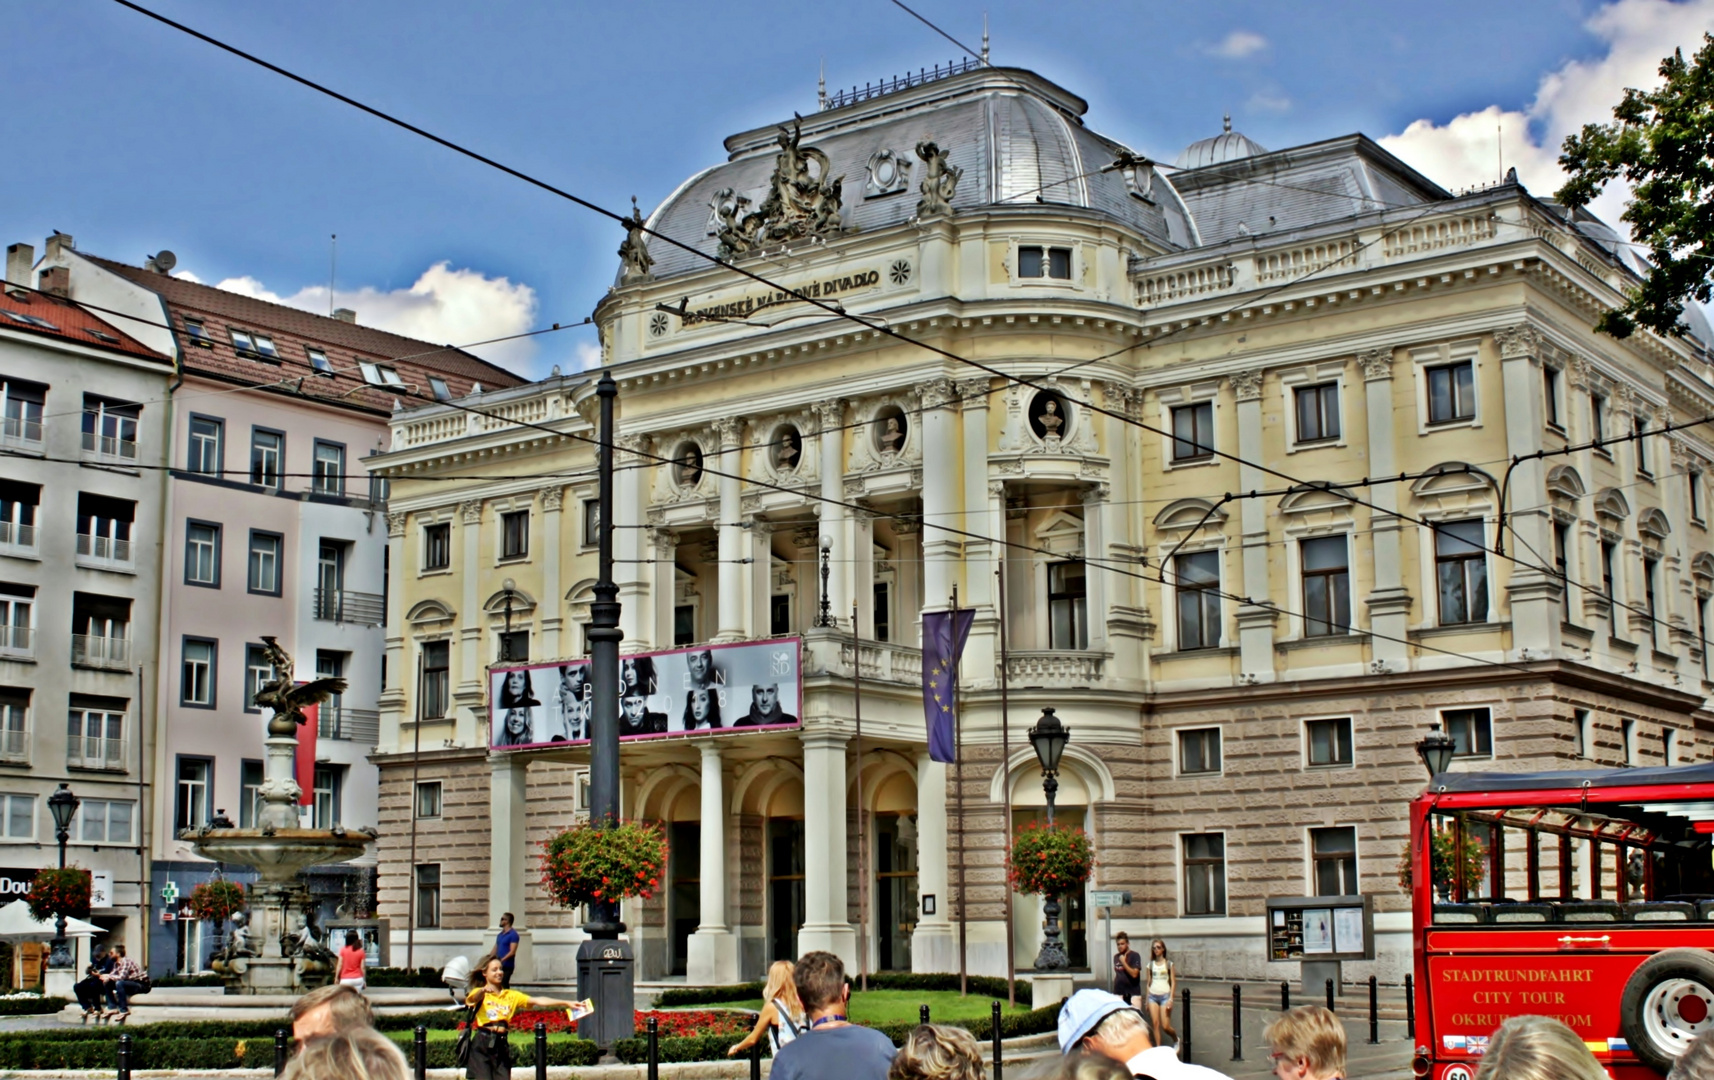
[[274, 948]]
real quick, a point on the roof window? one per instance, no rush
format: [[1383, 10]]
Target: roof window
[[442, 392], [30, 320], [318, 361], [371, 373], [391, 377], [194, 328], [265, 347], [241, 341], [101, 335]]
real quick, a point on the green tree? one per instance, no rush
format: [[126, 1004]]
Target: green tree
[[1662, 144]]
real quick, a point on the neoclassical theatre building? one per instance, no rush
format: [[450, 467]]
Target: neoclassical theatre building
[[1218, 453]]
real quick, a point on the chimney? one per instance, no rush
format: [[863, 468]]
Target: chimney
[[20, 261], [56, 281], [58, 244], [345, 314]]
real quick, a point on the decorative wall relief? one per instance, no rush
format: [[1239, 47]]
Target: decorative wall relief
[[939, 181], [889, 174]]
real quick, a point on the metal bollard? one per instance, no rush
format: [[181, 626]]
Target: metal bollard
[[1410, 1009], [125, 1056], [923, 1013], [1330, 1007], [279, 1051], [1285, 996], [1374, 1012], [1184, 1030], [1237, 1023], [995, 1031], [654, 1072], [419, 1053], [541, 1050], [756, 1060]]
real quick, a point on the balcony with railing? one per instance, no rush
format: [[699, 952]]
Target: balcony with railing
[[21, 433], [111, 449], [14, 746], [106, 653], [347, 606], [17, 642], [1067, 668], [361, 726], [17, 538], [96, 752], [104, 552]]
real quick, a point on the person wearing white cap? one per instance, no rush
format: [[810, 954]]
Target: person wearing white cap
[[1096, 1022]]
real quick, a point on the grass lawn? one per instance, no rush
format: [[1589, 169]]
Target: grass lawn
[[891, 1006]]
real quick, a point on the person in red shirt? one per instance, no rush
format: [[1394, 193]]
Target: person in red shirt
[[351, 962]]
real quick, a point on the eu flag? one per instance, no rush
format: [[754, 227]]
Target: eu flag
[[944, 634]]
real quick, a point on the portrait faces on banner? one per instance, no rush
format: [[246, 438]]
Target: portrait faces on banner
[[753, 684]]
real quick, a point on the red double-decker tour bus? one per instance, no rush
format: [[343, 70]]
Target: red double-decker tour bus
[[1583, 895]]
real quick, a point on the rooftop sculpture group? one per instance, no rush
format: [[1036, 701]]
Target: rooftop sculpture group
[[801, 201]]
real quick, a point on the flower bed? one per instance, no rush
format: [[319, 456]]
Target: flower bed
[[714, 1023]]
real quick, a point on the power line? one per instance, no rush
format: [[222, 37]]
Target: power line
[[968, 51]]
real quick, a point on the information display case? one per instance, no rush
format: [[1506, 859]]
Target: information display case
[[1321, 928]]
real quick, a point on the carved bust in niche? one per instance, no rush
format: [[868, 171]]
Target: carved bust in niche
[[788, 449], [687, 466], [1047, 416], [891, 430]]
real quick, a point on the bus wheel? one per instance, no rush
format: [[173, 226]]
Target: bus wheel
[[1668, 1001]]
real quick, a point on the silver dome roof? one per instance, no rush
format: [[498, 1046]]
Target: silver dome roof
[[1018, 138], [1227, 146]]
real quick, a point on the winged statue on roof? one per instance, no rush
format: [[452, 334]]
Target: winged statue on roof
[[287, 698]]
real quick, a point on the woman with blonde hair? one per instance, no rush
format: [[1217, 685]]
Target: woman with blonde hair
[[782, 1014], [1537, 1048], [938, 1052], [357, 1054]]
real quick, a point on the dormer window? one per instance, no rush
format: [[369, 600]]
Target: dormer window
[[318, 360]]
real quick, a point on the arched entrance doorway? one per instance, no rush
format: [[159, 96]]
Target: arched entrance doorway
[[1079, 786]]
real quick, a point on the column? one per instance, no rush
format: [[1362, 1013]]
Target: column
[[981, 655], [629, 571], [713, 954], [940, 494], [663, 548], [863, 571], [907, 576], [468, 695], [731, 604], [1389, 602], [830, 415], [827, 923], [1097, 581], [393, 701], [1534, 595], [1678, 585], [759, 574], [509, 859], [1255, 621], [551, 602], [1129, 626], [934, 947]]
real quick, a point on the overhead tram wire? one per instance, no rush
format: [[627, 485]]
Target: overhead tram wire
[[968, 51], [830, 307]]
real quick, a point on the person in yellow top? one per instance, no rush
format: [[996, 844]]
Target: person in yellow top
[[490, 1053]]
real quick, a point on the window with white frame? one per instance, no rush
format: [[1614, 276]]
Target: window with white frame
[[1461, 571], [110, 428], [267, 458], [1562, 565], [1471, 731], [19, 816], [249, 793], [436, 672], [329, 468], [95, 736], [191, 809], [591, 522], [104, 821], [202, 553], [437, 546], [1693, 485], [1598, 421], [1067, 605], [1550, 396], [264, 571], [318, 361], [196, 680], [1669, 745], [429, 795], [18, 503], [17, 619], [1317, 412], [1328, 741], [1198, 751], [515, 534], [1196, 582], [1204, 857], [1326, 574], [329, 782], [207, 436], [1451, 392], [1333, 858], [1651, 571], [1034, 261], [428, 895], [14, 725], [1193, 431], [21, 405]]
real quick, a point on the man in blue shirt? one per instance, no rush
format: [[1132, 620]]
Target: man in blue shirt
[[832, 1048], [506, 948]]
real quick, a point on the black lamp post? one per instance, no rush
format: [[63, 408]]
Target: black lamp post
[[63, 805], [826, 616], [1436, 750], [1049, 737], [510, 588]]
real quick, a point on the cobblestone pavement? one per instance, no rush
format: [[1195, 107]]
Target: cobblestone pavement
[[1211, 1031]]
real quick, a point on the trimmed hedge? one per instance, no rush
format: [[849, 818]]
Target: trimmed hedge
[[31, 1006], [577, 1053], [84, 1048], [423, 977], [707, 995], [986, 985], [697, 1048]]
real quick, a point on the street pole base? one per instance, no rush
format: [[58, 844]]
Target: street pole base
[[1052, 957]]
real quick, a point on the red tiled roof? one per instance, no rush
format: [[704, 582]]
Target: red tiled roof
[[70, 323], [294, 332]]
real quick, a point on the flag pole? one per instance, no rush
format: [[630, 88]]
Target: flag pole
[[1006, 784], [862, 811], [958, 788]]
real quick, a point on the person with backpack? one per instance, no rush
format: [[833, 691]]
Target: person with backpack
[[782, 1013]]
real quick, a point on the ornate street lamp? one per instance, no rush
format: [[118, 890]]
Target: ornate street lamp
[[1436, 750], [826, 616], [1049, 737], [63, 805]]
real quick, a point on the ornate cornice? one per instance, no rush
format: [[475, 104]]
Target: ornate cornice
[[1376, 364], [470, 512], [1247, 385]]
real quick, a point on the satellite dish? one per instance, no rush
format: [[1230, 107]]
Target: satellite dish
[[165, 261]]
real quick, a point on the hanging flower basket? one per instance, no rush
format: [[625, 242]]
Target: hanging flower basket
[[215, 901], [1049, 860], [589, 863], [58, 892], [1446, 861]]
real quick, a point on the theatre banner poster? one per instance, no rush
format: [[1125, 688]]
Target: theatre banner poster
[[739, 687]]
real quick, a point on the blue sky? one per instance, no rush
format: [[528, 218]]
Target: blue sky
[[134, 138]]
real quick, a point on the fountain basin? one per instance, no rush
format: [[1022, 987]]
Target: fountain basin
[[277, 855]]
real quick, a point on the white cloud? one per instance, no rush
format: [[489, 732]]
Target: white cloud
[[443, 306], [1238, 44], [1637, 33], [588, 355], [1268, 101]]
